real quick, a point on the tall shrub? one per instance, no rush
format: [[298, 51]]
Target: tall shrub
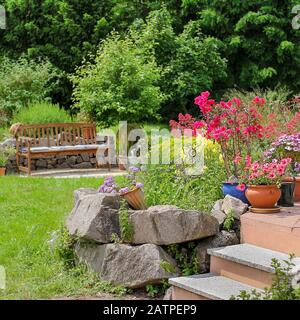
[[22, 82], [121, 84]]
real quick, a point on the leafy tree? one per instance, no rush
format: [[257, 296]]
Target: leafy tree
[[120, 85]]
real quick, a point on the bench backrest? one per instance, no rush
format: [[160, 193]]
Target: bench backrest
[[58, 134]]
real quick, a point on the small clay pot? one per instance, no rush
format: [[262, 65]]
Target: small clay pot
[[136, 199], [263, 196], [2, 171]]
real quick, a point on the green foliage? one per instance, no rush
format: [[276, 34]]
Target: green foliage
[[121, 85], [260, 44], [195, 45], [167, 266], [229, 220], [155, 290], [189, 61], [127, 229], [5, 154], [41, 113], [185, 256], [281, 288], [64, 247], [168, 184], [21, 83]]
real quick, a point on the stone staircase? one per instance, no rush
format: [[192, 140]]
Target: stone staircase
[[246, 266]]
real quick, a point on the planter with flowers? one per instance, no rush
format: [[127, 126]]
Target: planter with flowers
[[288, 146], [129, 189], [264, 179], [234, 125]]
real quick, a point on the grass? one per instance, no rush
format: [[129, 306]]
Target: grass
[[31, 209]]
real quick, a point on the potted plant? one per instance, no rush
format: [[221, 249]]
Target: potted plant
[[263, 180], [234, 125], [129, 189], [5, 154], [288, 146]]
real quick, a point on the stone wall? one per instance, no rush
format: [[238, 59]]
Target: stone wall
[[84, 161], [144, 258]]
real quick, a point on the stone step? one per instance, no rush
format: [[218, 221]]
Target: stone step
[[279, 231], [247, 263], [206, 287]]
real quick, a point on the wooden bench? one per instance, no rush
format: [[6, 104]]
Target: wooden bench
[[44, 140]]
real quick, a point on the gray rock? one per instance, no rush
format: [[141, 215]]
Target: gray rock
[[168, 294], [82, 192], [217, 212], [222, 239], [85, 157], [79, 159], [235, 205], [51, 162], [41, 163], [71, 160], [10, 142], [63, 164], [95, 217], [163, 225], [130, 266]]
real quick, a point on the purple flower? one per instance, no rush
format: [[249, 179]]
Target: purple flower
[[124, 190], [134, 169], [108, 186], [139, 185]]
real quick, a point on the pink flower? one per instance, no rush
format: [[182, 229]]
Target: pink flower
[[272, 175], [237, 159], [241, 187]]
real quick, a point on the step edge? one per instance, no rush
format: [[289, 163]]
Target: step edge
[[216, 252], [213, 252], [203, 293], [188, 288]]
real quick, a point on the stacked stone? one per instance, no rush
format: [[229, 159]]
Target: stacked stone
[[94, 220]]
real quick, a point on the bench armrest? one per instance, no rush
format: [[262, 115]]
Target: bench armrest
[[24, 142]]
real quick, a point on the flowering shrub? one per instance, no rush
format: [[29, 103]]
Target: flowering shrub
[[286, 145], [232, 124], [262, 173], [130, 183]]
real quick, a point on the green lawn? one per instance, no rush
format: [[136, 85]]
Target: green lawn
[[30, 210]]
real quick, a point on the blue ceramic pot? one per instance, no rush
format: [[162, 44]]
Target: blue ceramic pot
[[230, 188]]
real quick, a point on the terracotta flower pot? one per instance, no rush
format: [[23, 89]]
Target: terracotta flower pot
[[136, 199], [263, 196], [297, 186], [2, 171]]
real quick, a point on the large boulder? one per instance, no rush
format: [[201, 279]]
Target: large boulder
[[82, 192], [163, 225], [95, 217], [130, 266], [222, 239], [234, 205]]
